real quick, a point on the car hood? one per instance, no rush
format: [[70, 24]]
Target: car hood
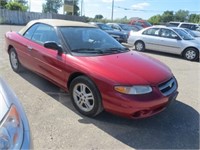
[[130, 68]]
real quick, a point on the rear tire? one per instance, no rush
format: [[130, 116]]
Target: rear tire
[[85, 96], [191, 54], [14, 61], [139, 46]]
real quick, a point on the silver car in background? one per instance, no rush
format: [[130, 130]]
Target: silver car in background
[[14, 126], [166, 39], [194, 34]]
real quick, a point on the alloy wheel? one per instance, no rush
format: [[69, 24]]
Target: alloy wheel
[[14, 60], [83, 97]]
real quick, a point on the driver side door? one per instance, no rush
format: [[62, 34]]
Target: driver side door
[[48, 62]]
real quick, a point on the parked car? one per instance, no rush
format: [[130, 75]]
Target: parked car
[[14, 126], [124, 27], [99, 73], [140, 22], [166, 39], [191, 26], [193, 33], [119, 36]]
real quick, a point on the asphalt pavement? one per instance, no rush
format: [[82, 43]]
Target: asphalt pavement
[[55, 124]]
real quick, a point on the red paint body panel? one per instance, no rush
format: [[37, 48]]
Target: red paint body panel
[[130, 68]]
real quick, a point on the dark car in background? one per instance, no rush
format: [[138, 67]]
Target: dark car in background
[[119, 36], [14, 126], [124, 27]]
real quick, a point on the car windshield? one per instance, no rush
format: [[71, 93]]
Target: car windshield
[[125, 27], [104, 27], [93, 41], [147, 24], [193, 33], [183, 34]]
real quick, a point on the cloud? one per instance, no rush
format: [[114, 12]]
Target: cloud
[[140, 6]]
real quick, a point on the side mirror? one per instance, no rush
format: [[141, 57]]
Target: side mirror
[[54, 46]]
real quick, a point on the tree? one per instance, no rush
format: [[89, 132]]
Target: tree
[[15, 5], [167, 16], [155, 20], [3, 4], [98, 17], [51, 6], [24, 2], [194, 18], [181, 15]]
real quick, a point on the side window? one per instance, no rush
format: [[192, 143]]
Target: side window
[[29, 33], [152, 31], [184, 26], [165, 33], [168, 33], [116, 27], [174, 24], [44, 33]]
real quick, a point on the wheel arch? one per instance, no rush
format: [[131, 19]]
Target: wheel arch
[[9, 47], [72, 77], [75, 75]]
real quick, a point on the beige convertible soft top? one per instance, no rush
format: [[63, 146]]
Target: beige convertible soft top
[[55, 22]]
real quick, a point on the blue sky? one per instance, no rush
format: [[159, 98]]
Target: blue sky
[[130, 8]]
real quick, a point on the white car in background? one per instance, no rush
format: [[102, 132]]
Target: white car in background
[[166, 39], [188, 25], [14, 126]]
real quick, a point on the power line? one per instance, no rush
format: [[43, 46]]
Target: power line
[[147, 10]]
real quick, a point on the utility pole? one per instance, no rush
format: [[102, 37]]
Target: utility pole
[[112, 10], [81, 7], [29, 5], [73, 8]]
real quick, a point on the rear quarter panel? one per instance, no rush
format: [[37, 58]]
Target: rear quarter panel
[[19, 43]]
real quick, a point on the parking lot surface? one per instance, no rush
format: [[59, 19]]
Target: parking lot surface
[[55, 124]]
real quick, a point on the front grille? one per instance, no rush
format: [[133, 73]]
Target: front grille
[[168, 87]]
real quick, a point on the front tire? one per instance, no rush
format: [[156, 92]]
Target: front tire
[[14, 61], [190, 54], [85, 96], [139, 46]]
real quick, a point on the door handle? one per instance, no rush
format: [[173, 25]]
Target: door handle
[[29, 48]]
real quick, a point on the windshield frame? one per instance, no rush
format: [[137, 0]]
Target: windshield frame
[[104, 44]]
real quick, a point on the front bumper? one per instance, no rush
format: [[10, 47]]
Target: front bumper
[[140, 106]]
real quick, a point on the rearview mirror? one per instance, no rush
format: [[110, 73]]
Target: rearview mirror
[[54, 46]]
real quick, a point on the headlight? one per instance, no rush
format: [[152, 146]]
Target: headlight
[[134, 90], [11, 130]]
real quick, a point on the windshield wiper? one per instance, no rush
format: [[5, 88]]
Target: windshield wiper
[[115, 50], [88, 50]]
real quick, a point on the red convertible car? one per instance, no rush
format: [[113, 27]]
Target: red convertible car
[[98, 72]]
